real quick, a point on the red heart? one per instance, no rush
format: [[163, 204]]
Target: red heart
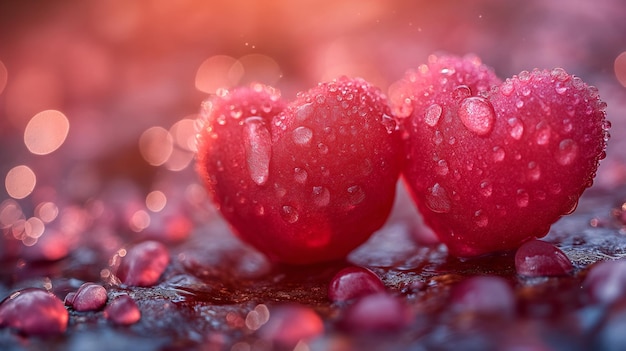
[[306, 182], [491, 168]]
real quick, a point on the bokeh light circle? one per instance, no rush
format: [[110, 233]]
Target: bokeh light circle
[[20, 181], [46, 132]]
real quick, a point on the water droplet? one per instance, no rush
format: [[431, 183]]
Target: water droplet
[[235, 112], [519, 104], [433, 114], [516, 129], [477, 115], [302, 136], [389, 123], [321, 196], [437, 138], [447, 71], [573, 204], [507, 87], [258, 149], [486, 189], [522, 198], [498, 154], [481, 219], [525, 90], [289, 214], [303, 111], [560, 88], [524, 76], [437, 199], [367, 167], [300, 175], [356, 194], [559, 74], [534, 172], [322, 148], [461, 92], [567, 153], [221, 120], [320, 98], [442, 167], [543, 133]]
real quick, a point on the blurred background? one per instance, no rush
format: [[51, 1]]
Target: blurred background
[[98, 98]]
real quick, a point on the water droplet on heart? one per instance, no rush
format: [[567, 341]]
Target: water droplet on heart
[[559, 74], [543, 133], [322, 148], [481, 219], [560, 88], [477, 115], [516, 128], [567, 125], [524, 76], [525, 90], [437, 199], [442, 167], [303, 111], [221, 120], [320, 99], [447, 71], [258, 149], [219, 165], [461, 92], [573, 204], [433, 114], [235, 112], [452, 140], [437, 138], [486, 189], [567, 152], [498, 154], [356, 195], [367, 167], [534, 172], [389, 123], [289, 214], [522, 198], [321, 196], [300, 175], [507, 87], [519, 104], [302, 136]]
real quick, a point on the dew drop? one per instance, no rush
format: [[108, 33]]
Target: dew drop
[[304, 111], [534, 172], [516, 129], [389, 123], [258, 149], [560, 88], [356, 194], [568, 150], [320, 99], [525, 90], [302, 136], [519, 104], [437, 199], [235, 112], [477, 115], [498, 154], [486, 189], [433, 114], [442, 167], [259, 210], [507, 88], [322, 148], [543, 133], [481, 219], [300, 175], [266, 107], [289, 214], [437, 138], [321, 196], [522, 198], [461, 92], [524, 76]]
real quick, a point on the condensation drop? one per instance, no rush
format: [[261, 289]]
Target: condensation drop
[[389, 123], [461, 92], [321, 196], [507, 87], [302, 136], [258, 149], [534, 172], [477, 115], [568, 150], [481, 219], [522, 198], [519, 104], [356, 194], [289, 214], [300, 175], [259, 210], [442, 167], [322, 148], [516, 129], [304, 111], [437, 199], [560, 88], [543, 133], [433, 114], [498, 154], [486, 189]]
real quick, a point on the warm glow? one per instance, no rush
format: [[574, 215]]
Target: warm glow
[[20, 182], [260, 68], [184, 133], [219, 71], [47, 211], [46, 132], [139, 221], [3, 77], [156, 201], [620, 68], [155, 145]]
